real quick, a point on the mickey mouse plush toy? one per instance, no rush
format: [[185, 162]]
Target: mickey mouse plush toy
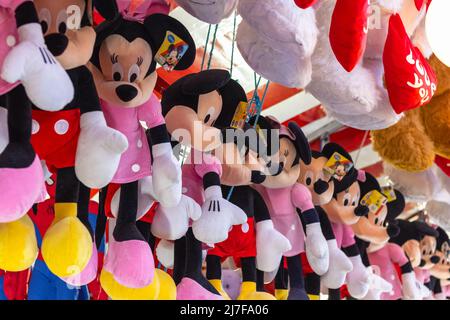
[[29, 74], [76, 141], [124, 68], [194, 107]]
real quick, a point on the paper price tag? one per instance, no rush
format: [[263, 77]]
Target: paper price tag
[[374, 200], [171, 51], [337, 166]]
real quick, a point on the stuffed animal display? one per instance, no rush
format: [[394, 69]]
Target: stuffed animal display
[[129, 172]]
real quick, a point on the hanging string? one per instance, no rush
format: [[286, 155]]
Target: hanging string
[[360, 147], [233, 43], [213, 45], [206, 46]]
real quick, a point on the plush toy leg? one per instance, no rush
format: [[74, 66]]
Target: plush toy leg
[[193, 285], [334, 294], [21, 175], [248, 288], [214, 274], [296, 280], [167, 287], [129, 257], [179, 264], [89, 273], [18, 245], [281, 282], [312, 285], [67, 244]]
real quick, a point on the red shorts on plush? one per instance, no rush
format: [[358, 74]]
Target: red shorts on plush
[[55, 136]]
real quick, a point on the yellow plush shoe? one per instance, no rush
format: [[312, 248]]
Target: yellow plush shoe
[[116, 291], [313, 297], [167, 287], [67, 244], [18, 245], [248, 292], [281, 294], [217, 284]]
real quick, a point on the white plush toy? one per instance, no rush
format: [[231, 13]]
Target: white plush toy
[[277, 38], [210, 11], [358, 99]]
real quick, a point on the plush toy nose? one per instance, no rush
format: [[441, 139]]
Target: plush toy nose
[[56, 43], [126, 92], [320, 186], [434, 259]]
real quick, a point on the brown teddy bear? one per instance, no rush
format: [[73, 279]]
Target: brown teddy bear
[[414, 141]]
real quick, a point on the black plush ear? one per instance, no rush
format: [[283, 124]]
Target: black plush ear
[[442, 238], [330, 148], [301, 143], [425, 230], [407, 232], [107, 8], [369, 184], [205, 81], [396, 207], [157, 26]]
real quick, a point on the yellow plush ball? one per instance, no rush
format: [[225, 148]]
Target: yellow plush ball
[[18, 245], [67, 247], [116, 291], [167, 287]]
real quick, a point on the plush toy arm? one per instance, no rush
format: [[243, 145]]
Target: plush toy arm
[[316, 245], [358, 280], [46, 83], [270, 244], [378, 286], [411, 288], [172, 223], [99, 150], [166, 169]]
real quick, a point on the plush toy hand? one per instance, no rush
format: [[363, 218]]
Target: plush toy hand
[[411, 288], [340, 265], [378, 286], [166, 175], [165, 253], [45, 81], [218, 216], [99, 150], [172, 223], [270, 246], [358, 280], [316, 249]]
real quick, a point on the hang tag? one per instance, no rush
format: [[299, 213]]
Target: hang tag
[[240, 116], [374, 200], [171, 51], [389, 193], [337, 166]]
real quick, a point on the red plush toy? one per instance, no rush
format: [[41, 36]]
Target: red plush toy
[[348, 31], [410, 80]]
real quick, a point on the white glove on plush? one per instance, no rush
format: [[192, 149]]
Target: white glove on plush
[[339, 266], [166, 172], [425, 293], [45, 81], [411, 287], [4, 135], [358, 280], [316, 249], [165, 252], [218, 216], [270, 246], [378, 286], [99, 150], [173, 223]]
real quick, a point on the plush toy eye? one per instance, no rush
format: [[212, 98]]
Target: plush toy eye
[[209, 114], [347, 199], [46, 19], [117, 72], [376, 220], [308, 178], [61, 22], [133, 73]]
